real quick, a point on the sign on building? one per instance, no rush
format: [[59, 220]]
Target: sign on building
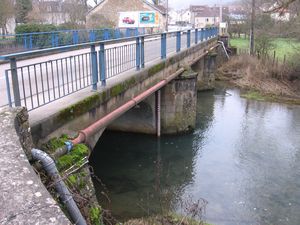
[[138, 19], [128, 19]]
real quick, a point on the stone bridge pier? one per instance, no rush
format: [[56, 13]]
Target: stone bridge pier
[[171, 110]]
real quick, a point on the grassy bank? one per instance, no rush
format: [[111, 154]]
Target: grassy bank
[[283, 46], [261, 96], [262, 81]]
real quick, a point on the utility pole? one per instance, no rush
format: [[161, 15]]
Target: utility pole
[[252, 28]]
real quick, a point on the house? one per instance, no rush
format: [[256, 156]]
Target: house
[[237, 14], [107, 13], [203, 16], [48, 12], [184, 16]]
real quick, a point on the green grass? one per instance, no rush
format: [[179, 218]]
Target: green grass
[[283, 47]]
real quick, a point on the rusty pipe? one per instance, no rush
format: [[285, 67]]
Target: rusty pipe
[[104, 121]]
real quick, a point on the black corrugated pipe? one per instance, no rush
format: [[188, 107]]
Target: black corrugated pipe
[[66, 197]]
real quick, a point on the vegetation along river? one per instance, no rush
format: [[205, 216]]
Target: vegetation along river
[[243, 159]]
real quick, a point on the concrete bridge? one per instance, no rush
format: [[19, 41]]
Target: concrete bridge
[[56, 88], [146, 84]]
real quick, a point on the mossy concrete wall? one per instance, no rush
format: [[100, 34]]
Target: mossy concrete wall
[[98, 104], [178, 104], [206, 68]]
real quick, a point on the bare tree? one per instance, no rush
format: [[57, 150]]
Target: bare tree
[[6, 13], [76, 9]]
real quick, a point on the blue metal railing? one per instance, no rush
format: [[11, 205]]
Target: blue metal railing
[[37, 84], [41, 40]]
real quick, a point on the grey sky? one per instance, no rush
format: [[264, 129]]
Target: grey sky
[[181, 4]]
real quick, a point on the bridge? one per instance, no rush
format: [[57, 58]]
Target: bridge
[[49, 82], [145, 84]]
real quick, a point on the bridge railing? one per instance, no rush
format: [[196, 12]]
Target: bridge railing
[[88, 65], [41, 40]]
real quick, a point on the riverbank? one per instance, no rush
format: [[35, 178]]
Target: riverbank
[[260, 80], [170, 219]]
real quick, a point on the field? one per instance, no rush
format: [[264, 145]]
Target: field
[[283, 47]]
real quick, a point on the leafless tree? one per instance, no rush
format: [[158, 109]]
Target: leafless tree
[[6, 13]]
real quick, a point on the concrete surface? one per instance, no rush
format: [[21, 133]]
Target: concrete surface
[[24, 199]]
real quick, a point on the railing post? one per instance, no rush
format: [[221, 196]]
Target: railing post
[[138, 53], [92, 36], [74, 38], [196, 36], [57, 40], [142, 52], [52, 40], [163, 46], [30, 41], [94, 67], [201, 34], [117, 33], [188, 44], [15, 81], [25, 41], [8, 89], [178, 41], [127, 32], [102, 64]]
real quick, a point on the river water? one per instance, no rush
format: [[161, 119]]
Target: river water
[[243, 160]]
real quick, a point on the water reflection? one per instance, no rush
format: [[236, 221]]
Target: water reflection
[[243, 158]]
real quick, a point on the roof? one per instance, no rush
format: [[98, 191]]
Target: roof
[[206, 11], [158, 8]]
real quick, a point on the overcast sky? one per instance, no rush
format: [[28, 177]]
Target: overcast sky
[[181, 4]]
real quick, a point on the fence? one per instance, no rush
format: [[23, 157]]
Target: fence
[[41, 40], [40, 83]]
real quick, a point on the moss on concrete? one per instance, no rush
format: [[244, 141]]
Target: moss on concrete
[[79, 108], [122, 87], [74, 157], [95, 215], [157, 68], [77, 180], [55, 143]]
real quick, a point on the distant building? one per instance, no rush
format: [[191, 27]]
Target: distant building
[[237, 14], [109, 11], [203, 16], [53, 12], [184, 16]]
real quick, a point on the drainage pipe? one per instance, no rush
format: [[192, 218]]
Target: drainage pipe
[[222, 43], [103, 122], [66, 197]]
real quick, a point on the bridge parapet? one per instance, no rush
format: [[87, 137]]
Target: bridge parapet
[[92, 64]]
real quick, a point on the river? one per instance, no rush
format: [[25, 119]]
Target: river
[[243, 159]]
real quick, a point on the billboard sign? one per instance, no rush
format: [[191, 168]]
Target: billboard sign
[[138, 19], [128, 19], [148, 19]]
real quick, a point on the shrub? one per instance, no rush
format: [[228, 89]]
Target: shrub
[[31, 28]]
